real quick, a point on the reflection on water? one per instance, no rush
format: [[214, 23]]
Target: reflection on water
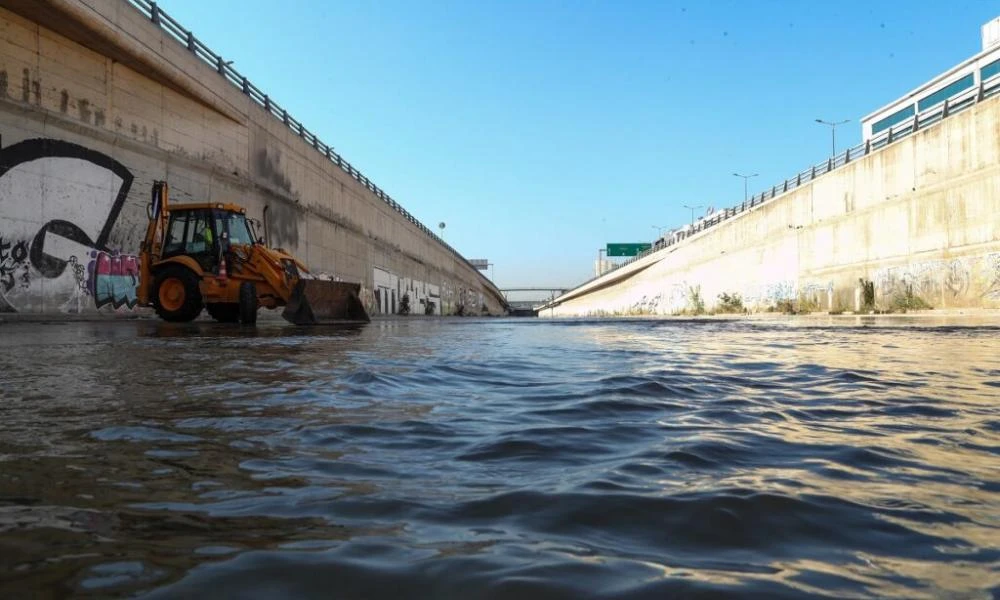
[[500, 458]]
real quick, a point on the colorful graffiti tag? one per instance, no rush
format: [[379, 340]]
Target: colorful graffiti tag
[[58, 205], [113, 279]]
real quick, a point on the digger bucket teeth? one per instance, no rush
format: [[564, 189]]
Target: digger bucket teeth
[[315, 301]]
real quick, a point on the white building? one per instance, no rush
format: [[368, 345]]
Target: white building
[[959, 83]]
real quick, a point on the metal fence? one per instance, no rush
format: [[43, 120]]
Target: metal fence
[[225, 69], [958, 102]]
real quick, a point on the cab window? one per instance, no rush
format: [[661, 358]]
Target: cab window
[[235, 226], [189, 232]]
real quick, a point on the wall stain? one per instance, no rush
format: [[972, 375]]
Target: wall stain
[[36, 89], [118, 122], [956, 278], [64, 102], [135, 130], [84, 107], [283, 225], [99, 118], [268, 169], [26, 86], [3, 84]]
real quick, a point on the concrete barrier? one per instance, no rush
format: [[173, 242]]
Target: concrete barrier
[[96, 102], [913, 225]]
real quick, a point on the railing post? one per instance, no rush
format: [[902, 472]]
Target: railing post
[[944, 109], [154, 13], [813, 174], [190, 40], [981, 92], [798, 180], [888, 139], [916, 120], [868, 147], [847, 157], [246, 86], [220, 66], [284, 116], [829, 164], [785, 188], [327, 152], [267, 103]]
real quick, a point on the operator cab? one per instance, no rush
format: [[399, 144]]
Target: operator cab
[[198, 232]]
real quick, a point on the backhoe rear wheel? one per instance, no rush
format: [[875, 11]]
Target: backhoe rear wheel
[[224, 312], [176, 294], [248, 303]]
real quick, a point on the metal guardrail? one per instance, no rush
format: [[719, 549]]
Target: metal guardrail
[[225, 69], [917, 122]]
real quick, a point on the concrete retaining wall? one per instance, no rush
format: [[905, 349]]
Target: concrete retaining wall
[[96, 103], [912, 225]]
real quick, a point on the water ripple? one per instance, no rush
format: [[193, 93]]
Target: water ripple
[[500, 458]]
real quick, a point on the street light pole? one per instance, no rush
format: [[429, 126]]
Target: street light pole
[[745, 178], [692, 211], [833, 133]]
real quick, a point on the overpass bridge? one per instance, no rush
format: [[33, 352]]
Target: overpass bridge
[[530, 298]]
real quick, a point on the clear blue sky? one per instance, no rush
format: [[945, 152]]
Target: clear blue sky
[[539, 131]]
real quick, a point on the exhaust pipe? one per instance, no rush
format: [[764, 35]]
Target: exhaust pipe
[[267, 236]]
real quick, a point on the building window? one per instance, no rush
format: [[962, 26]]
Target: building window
[[892, 119], [947, 92], [989, 70]]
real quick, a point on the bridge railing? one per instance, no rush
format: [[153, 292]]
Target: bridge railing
[[225, 69], [954, 104]]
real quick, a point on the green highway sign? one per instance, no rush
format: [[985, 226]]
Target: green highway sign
[[627, 249]]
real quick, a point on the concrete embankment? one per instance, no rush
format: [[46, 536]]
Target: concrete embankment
[[97, 101], [913, 225]]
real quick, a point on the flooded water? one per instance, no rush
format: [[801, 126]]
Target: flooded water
[[499, 459]]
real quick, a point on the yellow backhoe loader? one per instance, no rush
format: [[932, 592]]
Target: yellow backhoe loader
[[208, 255]]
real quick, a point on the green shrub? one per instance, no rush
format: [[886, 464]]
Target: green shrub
[[867, 295], [696, 306], [905, 300], [730, 303]]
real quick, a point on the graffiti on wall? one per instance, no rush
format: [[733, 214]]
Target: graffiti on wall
[[14, 265], [954, 282], [112, 279], [993, 276], [421, 297], [58, 204], [769, 293]]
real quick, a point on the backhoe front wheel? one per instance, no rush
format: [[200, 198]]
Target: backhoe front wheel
[[176, 293], [248, 303]]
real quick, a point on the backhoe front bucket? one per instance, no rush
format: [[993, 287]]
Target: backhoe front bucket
[[316, 301]]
